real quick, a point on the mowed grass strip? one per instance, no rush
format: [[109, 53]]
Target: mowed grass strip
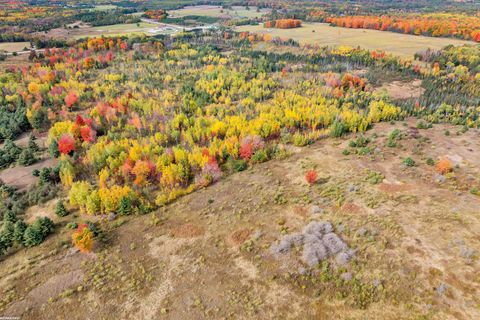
[[403, 45]]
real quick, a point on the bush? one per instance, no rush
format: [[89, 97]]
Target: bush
[[393, 137], [311, 177], [60, 209], [260, 156], [409, 162], [444, 166], [235, 165], [360, 142], [337, 129]]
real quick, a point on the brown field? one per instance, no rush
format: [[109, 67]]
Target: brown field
[[323, 34], [112, 30], [13, 46], [208, 254], [236, 12]]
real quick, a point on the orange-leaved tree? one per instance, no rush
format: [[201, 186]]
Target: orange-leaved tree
[[83, 238]]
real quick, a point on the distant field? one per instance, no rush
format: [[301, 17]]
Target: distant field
[[115, 30], [13, 46], [104, 7], [217, 12], [325, 35]]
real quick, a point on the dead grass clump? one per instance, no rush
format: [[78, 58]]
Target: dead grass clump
[[319, 243]]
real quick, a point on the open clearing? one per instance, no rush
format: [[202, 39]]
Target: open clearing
[[323, 34], [110, 30], [236, 12], [13, 46], [208, 255]]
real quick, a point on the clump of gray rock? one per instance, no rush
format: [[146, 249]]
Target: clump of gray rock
[[319, 243]]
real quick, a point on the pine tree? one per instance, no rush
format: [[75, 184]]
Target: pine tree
[[125, 206], [7, 233], [32, 236], [53, 149], [27, 157], [32, 145], [19, 231]]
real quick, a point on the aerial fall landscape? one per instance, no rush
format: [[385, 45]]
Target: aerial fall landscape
[[264, 159]]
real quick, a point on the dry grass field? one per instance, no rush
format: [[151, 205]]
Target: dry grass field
[[13, 46], [216, 11], [325, 35], [209, 255]]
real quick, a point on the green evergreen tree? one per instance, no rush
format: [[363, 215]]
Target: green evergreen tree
[[7, 233], [32, 236], [125, 206], [27, 157], [19, 231], [32, 145], [60, 209], [53, 149]]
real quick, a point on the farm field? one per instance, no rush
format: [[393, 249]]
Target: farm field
[[13, 46], [110, 30], [325, 35], [218, 12]]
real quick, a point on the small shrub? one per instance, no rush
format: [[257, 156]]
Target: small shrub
[[337, 129], [360, 142], [346, 152], [374, 177], [430, 162], [409, 162], [444, 166], [311, 177], [423, 125], [393, 137], [300, 140], [60, 209], [260, 156]]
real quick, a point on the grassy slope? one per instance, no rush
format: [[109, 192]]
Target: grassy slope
[[207, 255]]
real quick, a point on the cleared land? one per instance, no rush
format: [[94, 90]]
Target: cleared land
[[325, 35], [13, 46], [236, 12], [415, 240], [111, 30]]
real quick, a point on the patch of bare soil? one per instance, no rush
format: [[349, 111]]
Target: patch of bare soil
[[187, 231], [209, 255], [240, 236], [21, 177], [404, 90]]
